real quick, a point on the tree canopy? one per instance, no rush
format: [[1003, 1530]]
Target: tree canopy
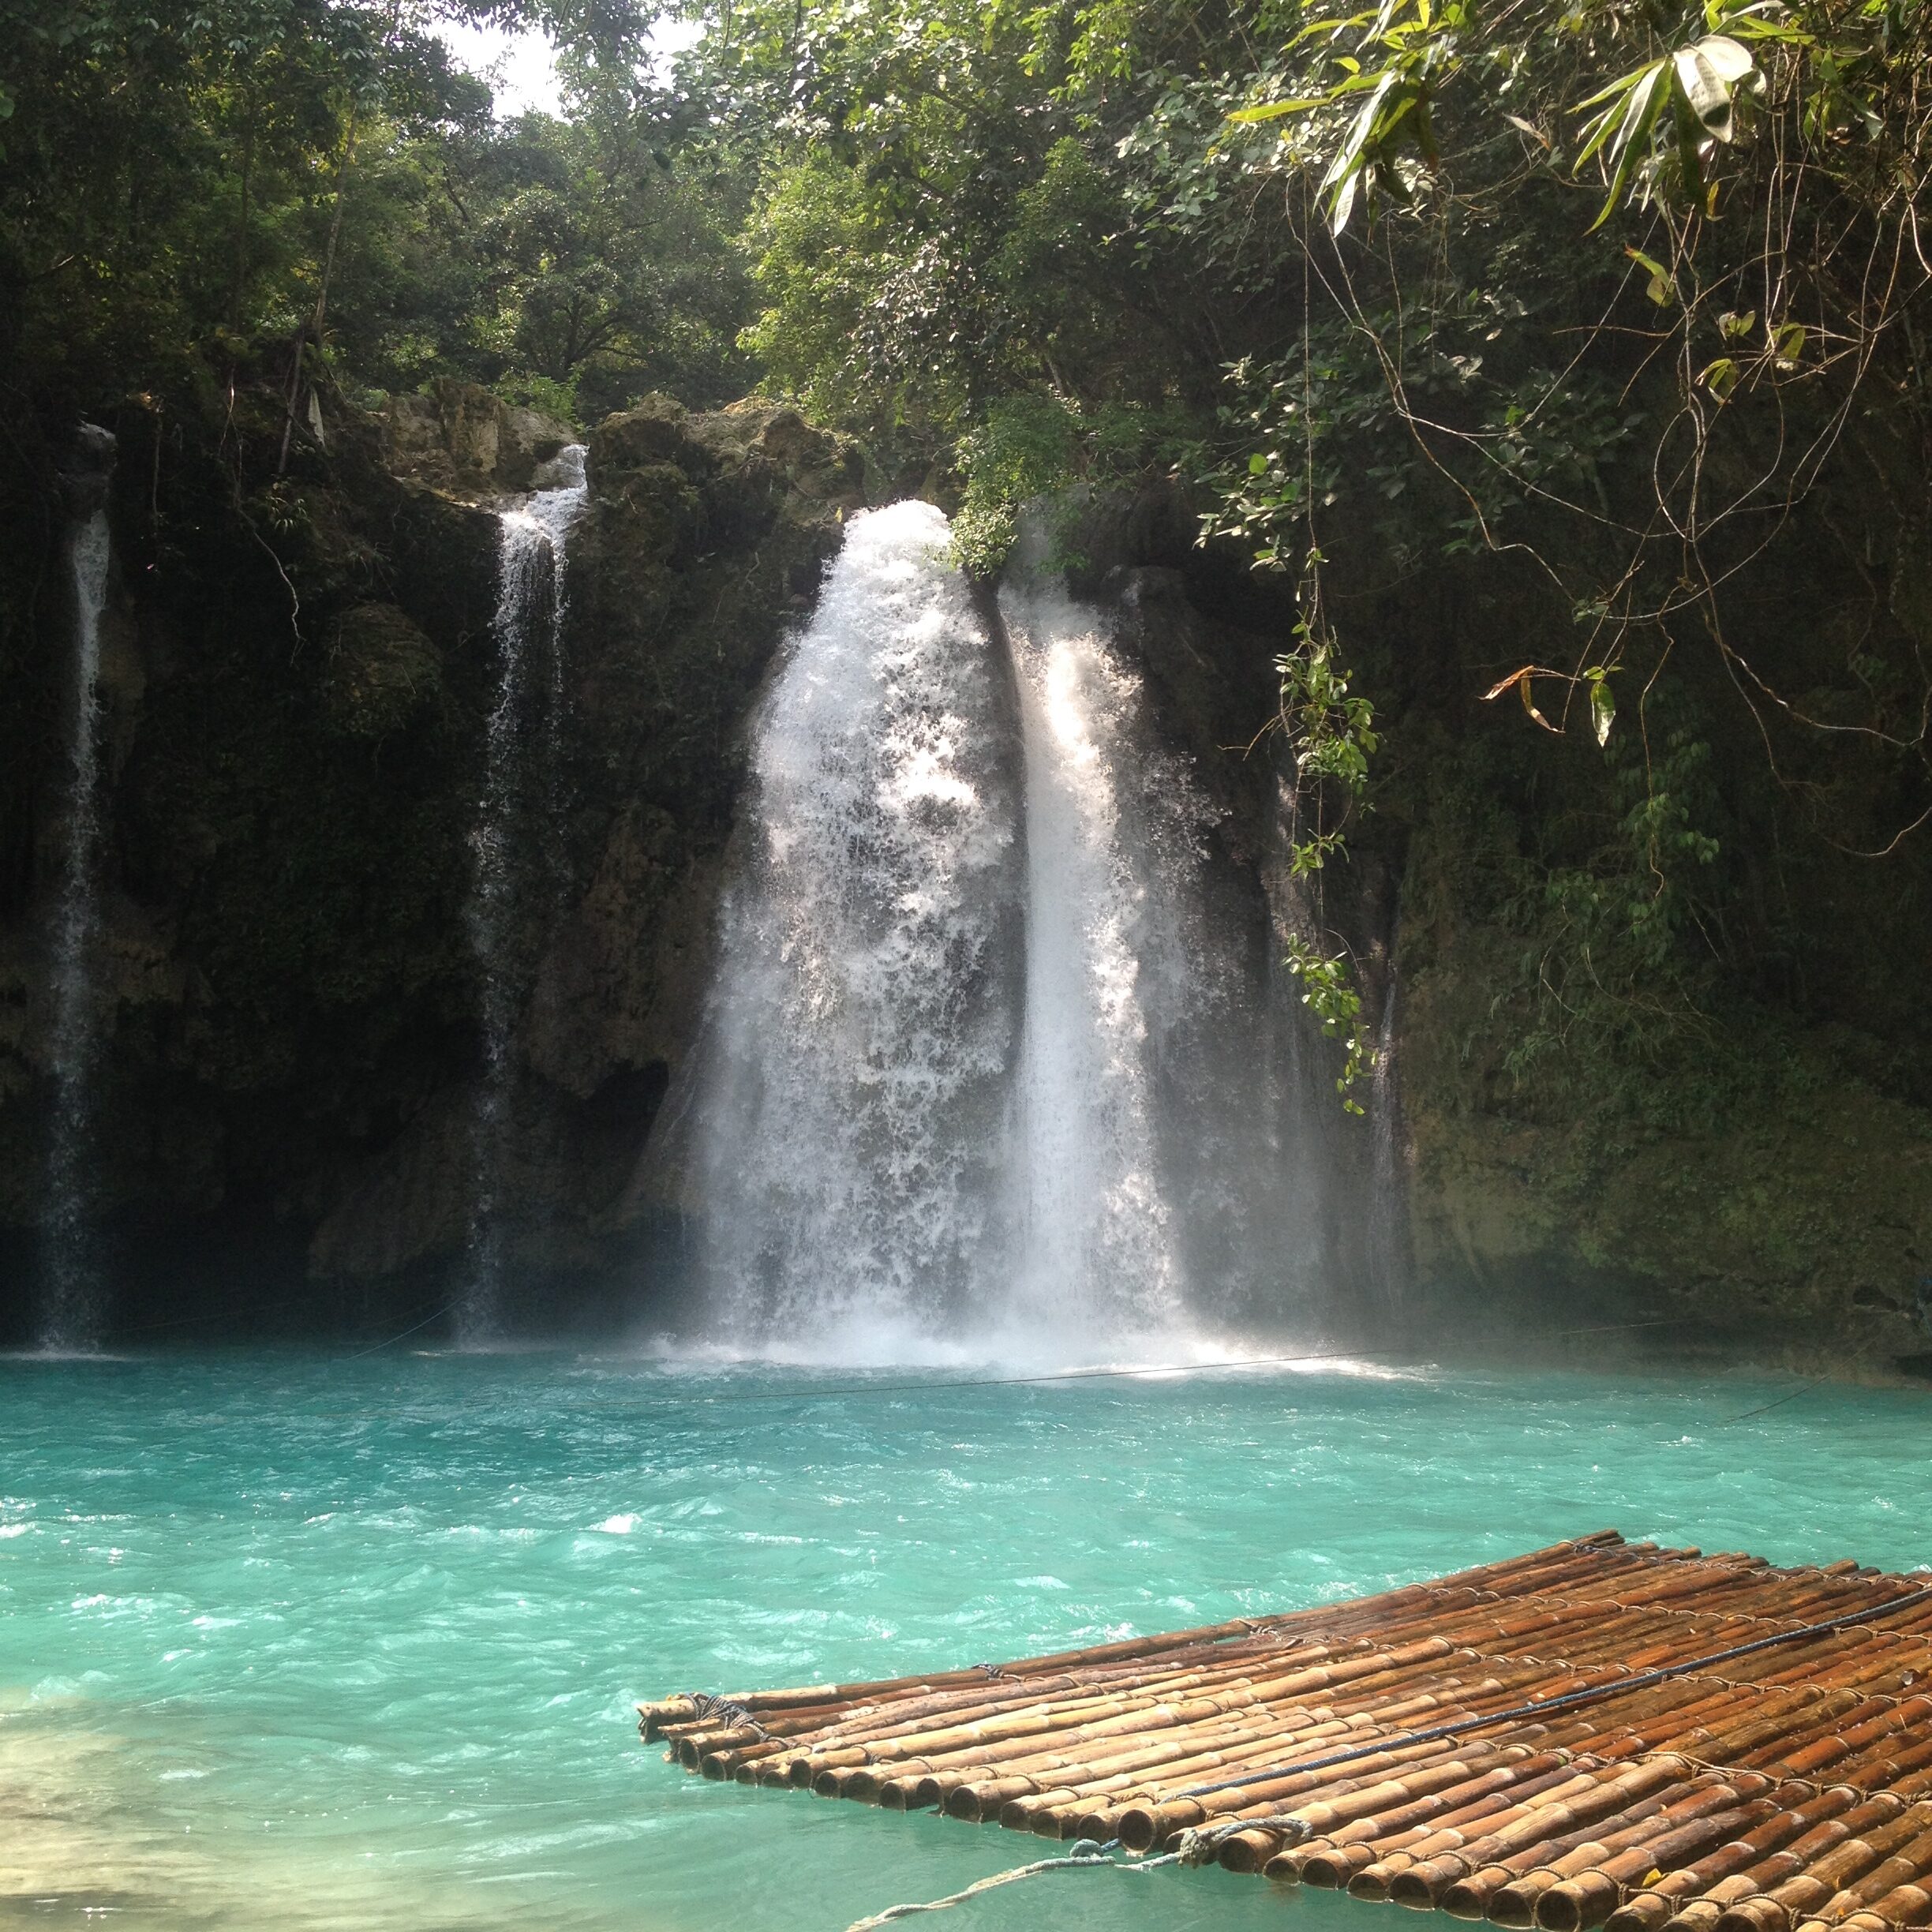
[[1591, 293]]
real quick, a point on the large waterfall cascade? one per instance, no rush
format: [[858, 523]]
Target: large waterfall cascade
[[521, 782], [986, 1066], [854, 1088], [73, 1314]]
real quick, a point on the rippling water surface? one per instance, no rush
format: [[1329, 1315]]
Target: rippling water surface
[[302, 1642]]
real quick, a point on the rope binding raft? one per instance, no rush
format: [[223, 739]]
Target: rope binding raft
[[1597, 1733]]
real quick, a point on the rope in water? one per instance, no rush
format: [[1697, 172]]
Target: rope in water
[[1086, 1856]]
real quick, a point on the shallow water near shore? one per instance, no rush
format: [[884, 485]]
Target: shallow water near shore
[[314, 1642]]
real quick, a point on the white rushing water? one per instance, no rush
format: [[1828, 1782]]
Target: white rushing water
[[1105, 896], [73, 1314], [529, 625], [953, 1098], [864, 1017]]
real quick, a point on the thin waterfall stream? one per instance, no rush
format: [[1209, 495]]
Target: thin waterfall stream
[[73, 1317], [520, 784]]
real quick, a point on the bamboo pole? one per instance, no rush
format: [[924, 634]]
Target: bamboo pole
[[1562, 1558], [1689, 1802], [1802, 1893], [1304, 1818], [1864, 1810], [1330, 1863], [1905, 1865], [1422, 1885], [1587, 1898], [1651, 1910], [1481, 1892]]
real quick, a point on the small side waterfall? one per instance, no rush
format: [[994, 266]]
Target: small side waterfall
[[73, 1312], [1386, 1244], [528, 626], [987, 1065]]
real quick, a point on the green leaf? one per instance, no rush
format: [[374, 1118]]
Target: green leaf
[[1273, 111], [1719, 377], [1628, 132], [1603, 706], [1663, 287]]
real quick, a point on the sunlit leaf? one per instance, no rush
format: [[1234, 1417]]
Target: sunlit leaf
[[1719, 377], [1708, 74], [1273, 111], [1603, 708], [1663, 288]]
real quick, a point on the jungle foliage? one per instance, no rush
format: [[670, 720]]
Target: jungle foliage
[[1595, 310], [195, 191], [1598, 318]]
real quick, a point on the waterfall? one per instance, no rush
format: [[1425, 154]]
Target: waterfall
[[1109, 842], [986, 1066], [73, 1312], [529, 623], [1387, 1236], [864, 1018]]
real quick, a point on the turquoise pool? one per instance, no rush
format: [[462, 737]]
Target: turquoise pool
[[295, 1642]]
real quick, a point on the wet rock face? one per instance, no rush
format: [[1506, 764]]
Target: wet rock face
[[86, 473], [293, 1047], [383, 671], [701, 537], [704, 537], [1779, 1207], [293, 1053], [1800, 1237], [462, 439]]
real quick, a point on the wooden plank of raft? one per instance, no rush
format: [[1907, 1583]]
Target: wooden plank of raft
[[1597, 1733]]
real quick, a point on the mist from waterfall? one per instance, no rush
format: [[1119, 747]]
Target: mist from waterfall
[[985, 1069], [73, 1314], [521, 780], [1387, 1258]]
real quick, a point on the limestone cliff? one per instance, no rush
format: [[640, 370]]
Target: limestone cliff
[[1721, 1150], [1731, 1141], [296, 679]]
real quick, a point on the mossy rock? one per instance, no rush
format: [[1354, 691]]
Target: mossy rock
[[383, 673], [464, 440], [658, 431]]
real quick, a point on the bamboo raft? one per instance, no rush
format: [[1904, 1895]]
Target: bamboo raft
[[1600, 1732]]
